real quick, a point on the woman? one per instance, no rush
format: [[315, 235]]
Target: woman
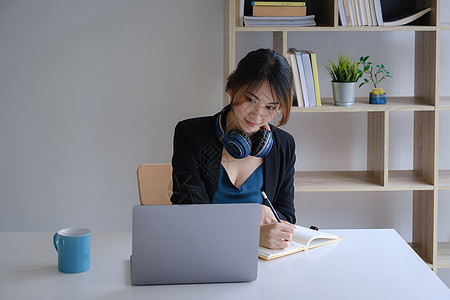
[[234, 155]]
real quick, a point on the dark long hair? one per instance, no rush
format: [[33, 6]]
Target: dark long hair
[[257, 67]]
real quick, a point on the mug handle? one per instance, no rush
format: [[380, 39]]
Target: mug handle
[[55, 241]]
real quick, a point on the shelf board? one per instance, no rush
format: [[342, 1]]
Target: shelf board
[[362, 104], [405, 180], [444, 179], [444, 103], [350, 181], [327, 181], [443, 255], [336, 29]]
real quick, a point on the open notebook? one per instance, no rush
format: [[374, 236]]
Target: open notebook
[[303, 239]]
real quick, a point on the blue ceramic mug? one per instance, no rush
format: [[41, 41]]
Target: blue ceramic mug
[[74, 249]]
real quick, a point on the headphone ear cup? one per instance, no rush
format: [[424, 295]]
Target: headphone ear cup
[[236, 142], [238, 145], [261, 143]]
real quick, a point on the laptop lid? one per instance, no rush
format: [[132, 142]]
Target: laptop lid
[[199, 243]]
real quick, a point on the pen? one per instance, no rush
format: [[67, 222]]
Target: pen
[[272, 209]]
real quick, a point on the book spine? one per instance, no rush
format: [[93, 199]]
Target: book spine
[[342, 15], [362, 12], [276, 3], [378, 12], [241, 12], [356, 12], [315, 71], [301, 71], [369, 18], [372, 13], [278, 11], [351, 17], [309, 78], [297, 87]]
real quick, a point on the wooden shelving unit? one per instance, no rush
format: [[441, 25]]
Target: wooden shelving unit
[[425, 179]]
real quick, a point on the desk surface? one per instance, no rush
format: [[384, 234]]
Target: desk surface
[[367, 264]]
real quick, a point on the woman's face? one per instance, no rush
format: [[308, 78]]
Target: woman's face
[[253, 109]]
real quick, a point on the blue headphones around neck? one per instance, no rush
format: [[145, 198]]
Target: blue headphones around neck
[[240, 145]]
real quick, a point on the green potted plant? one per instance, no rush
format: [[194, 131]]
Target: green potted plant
[[344, 74], [374, 76]]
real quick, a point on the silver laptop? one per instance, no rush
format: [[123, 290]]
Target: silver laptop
[[200, 243]]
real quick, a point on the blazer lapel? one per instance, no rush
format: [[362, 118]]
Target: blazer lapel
[[270, 174]]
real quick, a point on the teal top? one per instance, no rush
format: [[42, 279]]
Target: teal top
[[248, 192]]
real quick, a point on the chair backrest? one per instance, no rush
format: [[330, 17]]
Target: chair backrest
[[155, 184]]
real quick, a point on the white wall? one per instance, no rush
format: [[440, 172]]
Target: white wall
[[91, 89]]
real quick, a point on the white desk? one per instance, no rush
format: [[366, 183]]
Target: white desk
[[367, 264]]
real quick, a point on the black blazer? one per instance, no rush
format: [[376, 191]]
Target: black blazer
[[197, 154]]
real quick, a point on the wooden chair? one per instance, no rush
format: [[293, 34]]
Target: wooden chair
[[155, 184]]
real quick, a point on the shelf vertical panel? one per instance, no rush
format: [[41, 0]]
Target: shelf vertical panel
[[377, 145], [424, 225], [426, 87], [432, 18], [230, 20], [426, 66], [425, 146], [280, 42], [425, 202]]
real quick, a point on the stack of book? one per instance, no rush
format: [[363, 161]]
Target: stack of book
[[306, 77], [277, 13], [369, 13], [360, 12]]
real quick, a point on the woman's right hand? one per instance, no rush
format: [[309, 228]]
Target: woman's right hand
[[267, 216], [276, 235]]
